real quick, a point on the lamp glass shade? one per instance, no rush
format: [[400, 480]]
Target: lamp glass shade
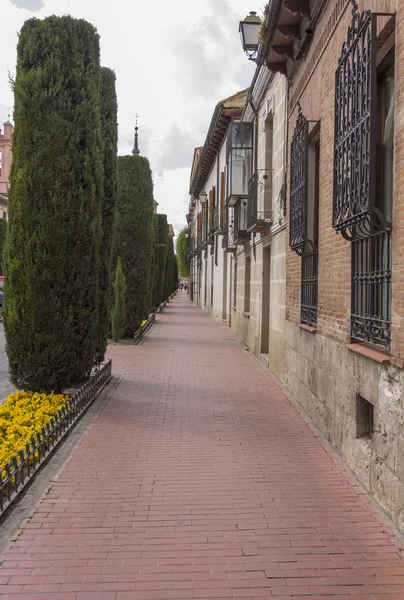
[[202, 196], [249, 32]]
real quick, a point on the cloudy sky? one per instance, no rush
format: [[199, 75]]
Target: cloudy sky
[[173, 61]]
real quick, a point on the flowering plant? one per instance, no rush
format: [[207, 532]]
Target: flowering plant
[[23, 415]]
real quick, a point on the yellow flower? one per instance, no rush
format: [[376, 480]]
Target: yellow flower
[[21, 416]]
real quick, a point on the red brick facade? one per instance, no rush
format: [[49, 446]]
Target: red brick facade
[[314, 87]]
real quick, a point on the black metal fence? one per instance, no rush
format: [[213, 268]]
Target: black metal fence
[[19, 471], [145, 328]]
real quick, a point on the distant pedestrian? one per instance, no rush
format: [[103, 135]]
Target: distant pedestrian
[[181, 286], [185, 286]]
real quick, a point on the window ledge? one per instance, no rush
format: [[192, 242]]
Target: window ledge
[[246, 314], [379, 355], [309, 328]]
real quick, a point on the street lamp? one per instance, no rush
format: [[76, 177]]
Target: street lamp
[[202, 197], [249, 33]]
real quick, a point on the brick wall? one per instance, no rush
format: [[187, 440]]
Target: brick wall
[[314, 87]]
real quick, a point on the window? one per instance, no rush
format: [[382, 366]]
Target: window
[[4, 215], [235, 285], [222, 206], [309, 273], [211, 283], [206, 282], [239, 154], [364, 418], [247, 285], [363, 198], [304, 202]]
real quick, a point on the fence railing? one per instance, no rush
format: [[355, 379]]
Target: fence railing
[[145, 328], [19, 471]]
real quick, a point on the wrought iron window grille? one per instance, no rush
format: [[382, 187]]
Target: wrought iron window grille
[[259, 184], [371, 289], [355, 211], [299, 239], [309, 289]]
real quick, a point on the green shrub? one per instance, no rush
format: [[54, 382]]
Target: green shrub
[[154, 265], [162, 252], [134, 236], [118, 312], [109, 124], [3, 234], [170, 270], [54, 231], [182, 253]]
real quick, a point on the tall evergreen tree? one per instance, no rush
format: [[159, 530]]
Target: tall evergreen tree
[[109, 124], [118, 311], [154, 266], [3, 234], [162, 244], [169, 276], [134, 236], [182, 252], [53, 242]]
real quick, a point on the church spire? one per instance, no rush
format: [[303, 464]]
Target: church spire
[[136, 150]]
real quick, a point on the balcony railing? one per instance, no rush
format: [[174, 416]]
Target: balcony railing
[[228, 236], [241, 234], [259, 189]]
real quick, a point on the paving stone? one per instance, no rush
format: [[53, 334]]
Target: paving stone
[[199, 479]]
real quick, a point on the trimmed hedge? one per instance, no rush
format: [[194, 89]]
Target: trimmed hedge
[[109, 123], [182, 253], [162, 253], [3, 235], [52, 252], [118, 312], [154, 265], [171, 272], [134, 237]]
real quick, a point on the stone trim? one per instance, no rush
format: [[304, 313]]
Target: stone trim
[[369, 351]]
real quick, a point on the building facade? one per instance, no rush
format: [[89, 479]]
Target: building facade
[[237, 249], [259, 226], [344, 336], [310, 220], [210, 251]]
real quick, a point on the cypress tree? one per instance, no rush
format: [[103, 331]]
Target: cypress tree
[[109, 125], [182, 253], [169, 275], [175, 275], [118, 312], [162, 243], [134, 239], [3, 234], [154, 265], [53, 242]]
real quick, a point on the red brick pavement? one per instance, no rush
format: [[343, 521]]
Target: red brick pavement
[[199, 479]]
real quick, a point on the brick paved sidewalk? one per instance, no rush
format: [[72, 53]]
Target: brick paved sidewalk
[[199, 479]]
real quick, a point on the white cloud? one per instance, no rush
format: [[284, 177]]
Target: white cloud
[[32, 5], [173, 61]]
